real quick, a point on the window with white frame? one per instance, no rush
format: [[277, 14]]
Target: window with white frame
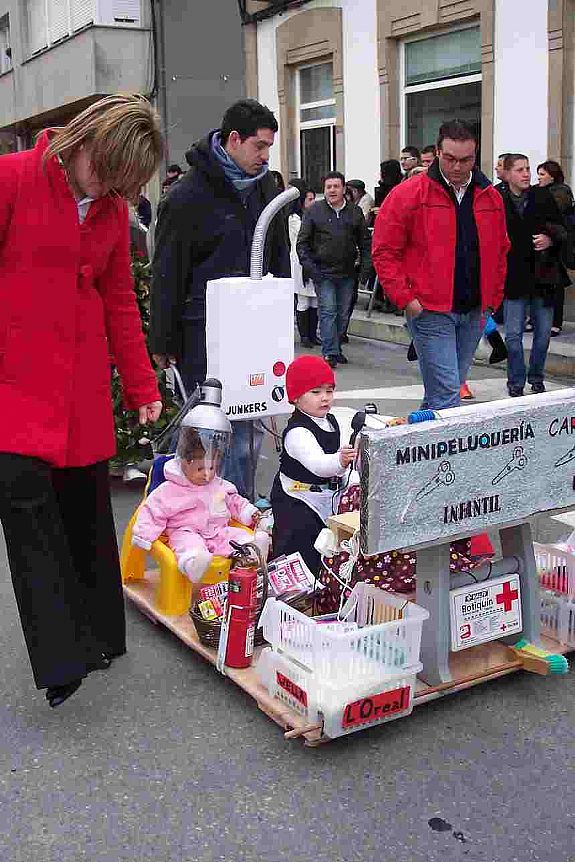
[[441, 80], [5, 49], [316, 118], [50, 21]]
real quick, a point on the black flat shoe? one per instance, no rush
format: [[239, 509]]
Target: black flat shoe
[[103, 662], [57, 694], [343, 360]]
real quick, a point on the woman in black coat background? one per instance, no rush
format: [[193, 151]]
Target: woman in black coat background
[[550, 176]]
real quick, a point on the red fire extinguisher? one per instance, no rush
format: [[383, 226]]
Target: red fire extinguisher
[[245, 598]]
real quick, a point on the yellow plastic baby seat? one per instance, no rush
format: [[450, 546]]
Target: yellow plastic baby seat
[[174, 591]]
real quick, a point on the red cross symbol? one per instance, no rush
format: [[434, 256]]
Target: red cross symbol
[[507, 597]]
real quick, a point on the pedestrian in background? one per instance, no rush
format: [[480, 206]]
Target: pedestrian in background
[[144, 210], [362, 199], [439, 249], [389, 177], [536, 231], [428, 156], [68, 301], [306, 306], [173, 173], [409, 158], [500, 172], [204, 231], [332, 235], [550, 176], [278, 180]]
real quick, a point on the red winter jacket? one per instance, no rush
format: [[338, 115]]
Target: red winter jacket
[[414, 243], [66, 302]]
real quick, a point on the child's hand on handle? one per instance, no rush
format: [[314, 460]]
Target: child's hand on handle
[[347, 455]]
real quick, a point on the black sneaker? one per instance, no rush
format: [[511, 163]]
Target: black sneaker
[[515, 391], [537, 388], [343, 360], [331, 361]]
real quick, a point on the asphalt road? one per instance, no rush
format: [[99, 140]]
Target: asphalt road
[[161, 759]]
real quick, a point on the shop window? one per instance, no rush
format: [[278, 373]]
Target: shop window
[[5, 49], [441, 80], [316, 115]]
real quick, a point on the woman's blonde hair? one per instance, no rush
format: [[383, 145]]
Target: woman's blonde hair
[[126, 145]]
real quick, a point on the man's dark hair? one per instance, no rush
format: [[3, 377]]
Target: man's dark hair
[[333, 175], [503, 156], [174, 169], [413, 151], [430, 148], [554, 170], [456, 130], [510, 160], [390, 172], [246, 117]]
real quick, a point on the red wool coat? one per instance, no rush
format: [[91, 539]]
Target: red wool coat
[[414, 238], [66, 303]]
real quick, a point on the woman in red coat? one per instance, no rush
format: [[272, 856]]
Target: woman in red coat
[[67, 303]]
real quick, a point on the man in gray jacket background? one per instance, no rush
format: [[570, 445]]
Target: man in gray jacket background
[[332, 237]]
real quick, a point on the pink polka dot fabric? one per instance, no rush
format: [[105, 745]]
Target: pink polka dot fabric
[[394, 571]]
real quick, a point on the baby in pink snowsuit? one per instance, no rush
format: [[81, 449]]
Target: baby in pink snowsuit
[[193, 506]]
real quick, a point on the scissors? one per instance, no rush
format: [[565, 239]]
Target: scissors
[[444, 476], [564, 459], [517, 462]]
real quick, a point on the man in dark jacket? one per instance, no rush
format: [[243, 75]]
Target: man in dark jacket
[[332, 233], [535, 228], [205, 228]]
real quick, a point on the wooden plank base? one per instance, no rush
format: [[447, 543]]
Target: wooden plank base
[[468, 667]]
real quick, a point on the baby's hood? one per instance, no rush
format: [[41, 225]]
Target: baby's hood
[[173, 473]]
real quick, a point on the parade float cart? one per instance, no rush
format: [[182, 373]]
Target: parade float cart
[[489, 467]]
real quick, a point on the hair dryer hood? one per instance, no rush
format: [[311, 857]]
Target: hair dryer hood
[[208, 414]]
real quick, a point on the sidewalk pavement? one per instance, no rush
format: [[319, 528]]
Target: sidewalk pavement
[[390, 327]]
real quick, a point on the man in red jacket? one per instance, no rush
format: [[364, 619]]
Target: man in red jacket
[[440, 249]]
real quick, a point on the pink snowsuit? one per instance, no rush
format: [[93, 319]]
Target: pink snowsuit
[[195, 520]]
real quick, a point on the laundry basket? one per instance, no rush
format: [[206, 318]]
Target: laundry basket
[[381, 634], [556, 568], [557, 616]]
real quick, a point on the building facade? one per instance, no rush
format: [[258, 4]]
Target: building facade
[[58, 56], [354, 81]]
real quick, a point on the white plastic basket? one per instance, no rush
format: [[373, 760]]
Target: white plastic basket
[[342, 707], [289, 683], [557, 617], [555, 568], [363, 703], [387, 638]]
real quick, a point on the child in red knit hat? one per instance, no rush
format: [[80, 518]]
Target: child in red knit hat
[[311, 461]]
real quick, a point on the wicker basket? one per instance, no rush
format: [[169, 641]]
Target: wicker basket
[[209, 630]]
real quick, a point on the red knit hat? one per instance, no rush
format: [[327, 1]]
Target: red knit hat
[[305, 373]]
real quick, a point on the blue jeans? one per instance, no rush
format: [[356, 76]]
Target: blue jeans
[[335, 296], [445, 344], [515, 312], [241, 460]]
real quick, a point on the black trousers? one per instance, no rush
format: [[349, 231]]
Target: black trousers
[[296, 527], [63, 557], [558, 305]]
